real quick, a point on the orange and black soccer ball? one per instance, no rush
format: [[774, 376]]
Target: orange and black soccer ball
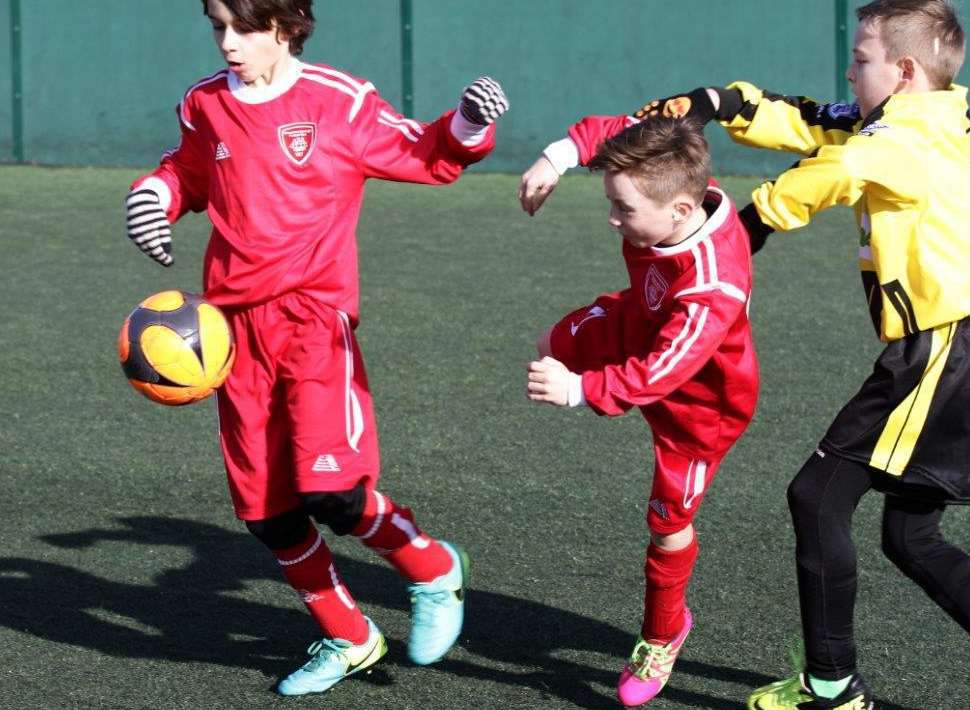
[[176, 348]]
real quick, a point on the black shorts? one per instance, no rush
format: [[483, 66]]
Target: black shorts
[[911, 418]]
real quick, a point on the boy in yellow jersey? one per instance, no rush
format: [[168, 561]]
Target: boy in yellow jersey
[[901, 157]]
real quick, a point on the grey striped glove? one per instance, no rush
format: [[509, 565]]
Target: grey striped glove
[[148, 226], [483, 101]]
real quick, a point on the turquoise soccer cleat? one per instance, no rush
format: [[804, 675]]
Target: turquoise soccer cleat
[[437, 610], [332, 660]]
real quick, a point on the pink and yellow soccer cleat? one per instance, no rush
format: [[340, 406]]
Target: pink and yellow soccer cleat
[[649, 667]]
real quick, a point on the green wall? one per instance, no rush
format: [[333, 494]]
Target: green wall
[[101, 77]]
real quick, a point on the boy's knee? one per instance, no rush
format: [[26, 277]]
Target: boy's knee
[[281, 531], [804, 497], [903, 545], [673, 541], [544, 344], [338, 510]]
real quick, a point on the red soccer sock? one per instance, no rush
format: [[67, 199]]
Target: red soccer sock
[[389, 530], [667, 576], [309, 569]]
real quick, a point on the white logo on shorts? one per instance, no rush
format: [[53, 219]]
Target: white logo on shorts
[[594, 312], [325, 463]]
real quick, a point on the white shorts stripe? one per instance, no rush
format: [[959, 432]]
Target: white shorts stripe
[[696, 481], [353, 414]]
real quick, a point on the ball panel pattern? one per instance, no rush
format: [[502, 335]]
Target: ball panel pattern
[[175, 348]]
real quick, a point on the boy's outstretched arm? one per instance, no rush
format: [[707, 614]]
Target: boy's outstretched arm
[[810, 186], [393, 147], [751, 117], [538, 182], [179, 184]]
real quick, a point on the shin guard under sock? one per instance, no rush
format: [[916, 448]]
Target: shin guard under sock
[[667, 576], [309, 569]]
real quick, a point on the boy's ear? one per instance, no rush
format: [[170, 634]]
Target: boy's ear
[[907, 68], [682, 208]]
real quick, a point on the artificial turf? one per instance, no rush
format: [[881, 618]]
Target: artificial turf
[[125, 581]]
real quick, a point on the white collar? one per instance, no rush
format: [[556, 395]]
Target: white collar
[[712, 224], [262, 94]]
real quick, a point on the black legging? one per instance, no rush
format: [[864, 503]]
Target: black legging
[[822, 498]]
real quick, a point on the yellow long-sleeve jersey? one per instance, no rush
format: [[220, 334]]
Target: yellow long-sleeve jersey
[[905, 168]]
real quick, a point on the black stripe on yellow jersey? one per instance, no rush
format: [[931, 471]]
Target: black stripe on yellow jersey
[[909, 418]]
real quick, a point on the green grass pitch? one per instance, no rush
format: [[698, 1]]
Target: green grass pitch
[[125, 581]]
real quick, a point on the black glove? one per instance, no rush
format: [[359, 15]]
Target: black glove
[[696, 105], [148, 226], [483, 101]]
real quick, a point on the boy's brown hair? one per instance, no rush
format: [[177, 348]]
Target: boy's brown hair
[[294, 18], [929, 31], [665, 157]]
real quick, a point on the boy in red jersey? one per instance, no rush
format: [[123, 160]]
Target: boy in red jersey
[[677, 344], [277, 152], [900, 157]]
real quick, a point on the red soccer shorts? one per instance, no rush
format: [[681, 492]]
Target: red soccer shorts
[[592, 337], [295, 414], [679, 484]]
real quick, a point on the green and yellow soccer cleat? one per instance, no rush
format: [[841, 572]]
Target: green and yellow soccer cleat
[[794, 694], [332, 660]]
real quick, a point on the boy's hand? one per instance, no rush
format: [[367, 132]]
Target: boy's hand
[[483, 101], [537, 184], [548, 382], [148, 227]]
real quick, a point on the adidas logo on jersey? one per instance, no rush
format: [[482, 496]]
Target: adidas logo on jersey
[[325, 463], [222, 152]]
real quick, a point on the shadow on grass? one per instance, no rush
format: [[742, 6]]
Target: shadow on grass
[[190, 615]]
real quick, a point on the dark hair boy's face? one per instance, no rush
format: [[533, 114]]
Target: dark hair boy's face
[[254, 57]]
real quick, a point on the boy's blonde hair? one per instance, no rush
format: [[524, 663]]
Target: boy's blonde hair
[[929, 31], [665, 157]]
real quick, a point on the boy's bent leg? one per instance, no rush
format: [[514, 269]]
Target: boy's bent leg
[[912, 539], [679, 484], [438, 572], [822, 499]]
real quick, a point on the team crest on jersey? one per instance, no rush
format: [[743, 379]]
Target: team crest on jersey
[[654, 288], [841, 110], [297, 140]]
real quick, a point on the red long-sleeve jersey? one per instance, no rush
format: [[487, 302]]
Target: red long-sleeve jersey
[[281, 172], [682, 348]]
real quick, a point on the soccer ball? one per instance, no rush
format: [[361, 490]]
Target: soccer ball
[[175, 348]]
